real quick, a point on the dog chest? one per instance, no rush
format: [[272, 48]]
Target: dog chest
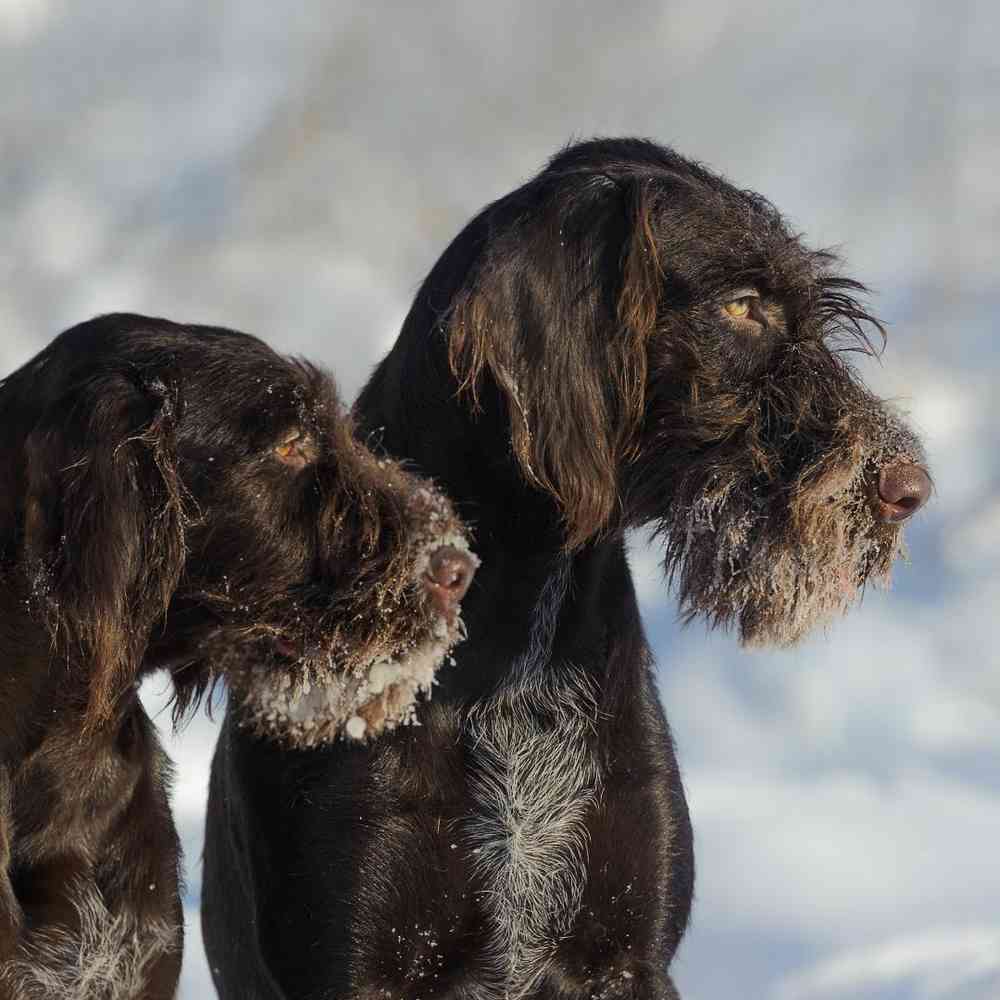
[[533, 781]]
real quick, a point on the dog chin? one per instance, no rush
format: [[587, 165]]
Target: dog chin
[[779, 603], [307, 693], [774, 591], [320, 703]]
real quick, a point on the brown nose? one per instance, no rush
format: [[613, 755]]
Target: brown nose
[[902, 490], [448, 576]]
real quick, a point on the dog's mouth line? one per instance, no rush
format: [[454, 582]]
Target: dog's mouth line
[[334, 655], [322, 702], [774, 578], [309, 693], [308, 635]]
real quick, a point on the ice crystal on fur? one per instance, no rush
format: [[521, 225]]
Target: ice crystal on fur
[[779, 559], [333, 696]]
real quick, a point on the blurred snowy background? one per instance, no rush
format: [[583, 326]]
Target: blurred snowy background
[[294, 169]]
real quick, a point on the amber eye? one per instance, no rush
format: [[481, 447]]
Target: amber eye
[[739, 308], [297, 450]]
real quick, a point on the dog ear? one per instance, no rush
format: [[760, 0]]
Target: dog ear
[[559, 312], [102, 526]]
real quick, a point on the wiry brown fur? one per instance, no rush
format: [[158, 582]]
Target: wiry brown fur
[[177, 493], [777, 542], [497, 326], [375, 526], [90, 551], [103, 522], [102, 956], [756, 458], [89, 885], [568, 370]]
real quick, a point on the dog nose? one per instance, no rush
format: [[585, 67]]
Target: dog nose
[[902, 490], [448, 576]]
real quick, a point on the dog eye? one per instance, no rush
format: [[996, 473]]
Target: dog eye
[[297, 450], [741, 305]]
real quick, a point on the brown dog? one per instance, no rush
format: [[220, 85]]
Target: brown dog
[[627, 339], [182, 497]]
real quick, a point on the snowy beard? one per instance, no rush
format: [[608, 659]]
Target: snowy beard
[[321, 701]]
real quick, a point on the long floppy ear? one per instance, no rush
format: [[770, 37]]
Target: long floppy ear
[[103, 523], [559, 311]]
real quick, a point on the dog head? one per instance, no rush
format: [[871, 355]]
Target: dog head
[[669, 352], [194, 501]]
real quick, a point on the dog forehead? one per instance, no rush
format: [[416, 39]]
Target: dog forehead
[[725, 236], [239, 414], [708, 232], [146, 352], [244, 388]]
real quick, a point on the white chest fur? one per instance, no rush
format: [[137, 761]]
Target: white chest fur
[[534, 780], [108, 957]]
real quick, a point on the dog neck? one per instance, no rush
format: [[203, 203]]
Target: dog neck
[[409, 409], [518, 535]]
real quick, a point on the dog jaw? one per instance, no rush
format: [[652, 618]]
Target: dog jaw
[[320, 700], [778, 570]]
